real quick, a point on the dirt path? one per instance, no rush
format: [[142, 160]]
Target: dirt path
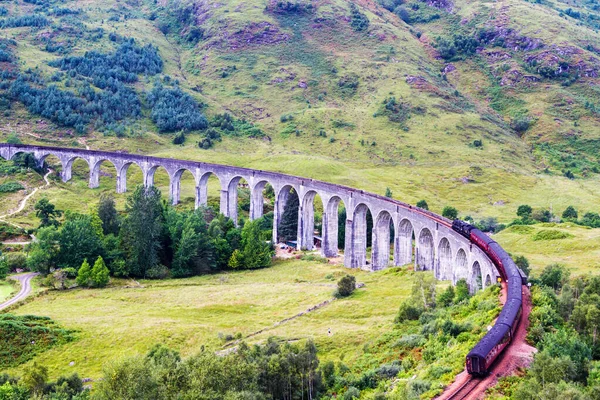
[[21, 207], [25, 281]]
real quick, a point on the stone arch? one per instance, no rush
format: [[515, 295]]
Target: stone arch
[[475, 281], [232, 196], [95, 171], [202, 188], [286, 197], [151, 180], [488, 281], [306, 223], [403, 252], [381, 241], [68, 167], [175, 185], [444, 260], [330, 225], [257, 201], [357, 238], [461, 270], [425, 250], [124, 174]]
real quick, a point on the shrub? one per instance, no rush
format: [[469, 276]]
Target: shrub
[[522, 263], [408, 311], [99, 275], [9, 187], [450, 212], [84, 274], [157, 272], [423, 204], [351, 393], [346, 285], [570, 213], [359, 21], [15, 261], [411, 341], [551, 234]]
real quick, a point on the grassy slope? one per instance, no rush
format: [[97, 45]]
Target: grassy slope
[[6, 289], [579, 252], [120, 321], [428, 161]]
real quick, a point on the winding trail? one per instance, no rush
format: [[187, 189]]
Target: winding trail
[[21, 207], [25, 281]]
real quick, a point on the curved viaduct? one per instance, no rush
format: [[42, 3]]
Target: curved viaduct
[[436, 246]]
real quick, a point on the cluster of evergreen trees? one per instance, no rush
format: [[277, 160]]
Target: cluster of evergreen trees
[[68, 109], [38, 21], [173, 110], [123, 65], [152, 240]]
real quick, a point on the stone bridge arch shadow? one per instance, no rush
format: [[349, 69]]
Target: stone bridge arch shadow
[[444, 263], [183, 188], [404, 243], [461, 269], [357, 238], [103, 174], [475, 279], [383, 229], [425, 250], [209, 191], [331, 222], [286, 209]]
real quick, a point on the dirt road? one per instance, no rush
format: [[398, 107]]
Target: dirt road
[[25, 281]]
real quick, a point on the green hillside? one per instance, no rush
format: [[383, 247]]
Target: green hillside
[[461, 105]]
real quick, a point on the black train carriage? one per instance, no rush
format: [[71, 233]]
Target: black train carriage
[[483, 355]]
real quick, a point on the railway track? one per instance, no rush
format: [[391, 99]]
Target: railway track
[[465, 389]]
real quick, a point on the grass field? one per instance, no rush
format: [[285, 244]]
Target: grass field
[[580, 251], [6, 290], [191, 313]]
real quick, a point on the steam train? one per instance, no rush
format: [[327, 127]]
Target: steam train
[[483, 355]]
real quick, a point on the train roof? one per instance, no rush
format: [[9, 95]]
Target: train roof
[[509, 312], [489, 341], [482, 236]]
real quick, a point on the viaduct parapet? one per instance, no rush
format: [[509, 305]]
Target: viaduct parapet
[[420, 237]]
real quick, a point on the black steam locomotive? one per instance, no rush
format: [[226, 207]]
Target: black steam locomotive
[[481, 357]]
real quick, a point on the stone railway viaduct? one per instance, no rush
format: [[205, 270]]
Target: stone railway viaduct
[[435, 246]]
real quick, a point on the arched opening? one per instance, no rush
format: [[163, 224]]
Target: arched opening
[[208, 192], [356, 252], [77, 171], [238, 198], [310, 224], [461, 270], [158, 177], [333, 227], [183, 189], [404, 243], [475, 283], [130, 176], [52, 164], [258, 199], [425, 250], [488, 281], [444, 264], [382, 232], [103, 175], [286, 215]]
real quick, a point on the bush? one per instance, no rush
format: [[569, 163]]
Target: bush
[[408, 311], [15, 261], [346, 285], [10, 187], [450, 212], [157, 272], [423, 204], [359, 21], [570, 213], [551, 234], [351, 393]]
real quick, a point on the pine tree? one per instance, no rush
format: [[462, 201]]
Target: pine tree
[[100, 274], [236, 260], [84, 274], [288, 226]]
